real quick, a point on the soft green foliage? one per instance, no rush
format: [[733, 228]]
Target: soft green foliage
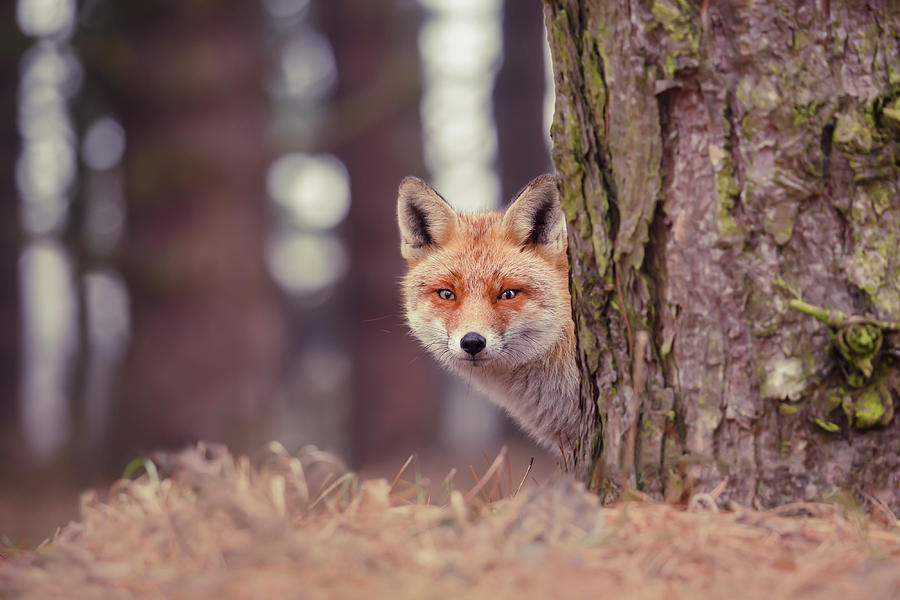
[[141, 463]]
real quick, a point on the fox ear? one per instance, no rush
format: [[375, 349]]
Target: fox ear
[[425, 219], [535, 217]]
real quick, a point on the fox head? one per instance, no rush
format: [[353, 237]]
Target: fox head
[[486, 290]]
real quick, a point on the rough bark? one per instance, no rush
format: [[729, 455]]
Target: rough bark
[[719, 162]]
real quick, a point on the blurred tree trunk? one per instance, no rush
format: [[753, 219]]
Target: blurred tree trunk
[[375, 130], [522, 152], [12, 45], [718, 161], [207, 330]]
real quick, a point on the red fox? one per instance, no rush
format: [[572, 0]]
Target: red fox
[[488, 296]]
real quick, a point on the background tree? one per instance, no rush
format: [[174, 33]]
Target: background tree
[[719, 162], [207, 330], [11, 48], [374, 129]]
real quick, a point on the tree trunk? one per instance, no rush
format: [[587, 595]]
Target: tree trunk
[[11, 50], [719, 162], [207, 327], [375, 131], [518, 110]]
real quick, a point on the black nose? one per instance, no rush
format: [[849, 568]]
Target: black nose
[[473, 343]]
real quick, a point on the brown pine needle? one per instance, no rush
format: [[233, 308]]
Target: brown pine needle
[[497, 485], [475, 477], [133, 540], [487, 476], [508, 476], [400, 474], [449, 477], [487, 463], [525, 476]]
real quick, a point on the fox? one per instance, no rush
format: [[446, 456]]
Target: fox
[[487, 295]]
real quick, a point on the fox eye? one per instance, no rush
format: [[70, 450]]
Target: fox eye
[[508, 294], [445, 294]]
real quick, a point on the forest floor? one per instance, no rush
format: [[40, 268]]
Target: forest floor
[[202, 524]]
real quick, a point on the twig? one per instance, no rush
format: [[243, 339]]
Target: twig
[[525, 476]]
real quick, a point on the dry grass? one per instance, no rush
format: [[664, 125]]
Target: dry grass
[[211, 526]]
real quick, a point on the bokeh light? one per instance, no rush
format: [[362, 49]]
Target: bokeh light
[[45, 17], [108, 335], [104, 218], [103, 144], [50, 340], [460, 44], [306, 69], [314, 190], [476, 41], [461, 50], [45, 175], [108, 320], [306, 263], [44, 172]]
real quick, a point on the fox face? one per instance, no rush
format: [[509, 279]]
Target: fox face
[[485, 293]]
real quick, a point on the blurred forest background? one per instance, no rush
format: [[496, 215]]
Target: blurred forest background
[[198, 233]]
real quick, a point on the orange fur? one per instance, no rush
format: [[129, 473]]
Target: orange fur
[[527, 364]]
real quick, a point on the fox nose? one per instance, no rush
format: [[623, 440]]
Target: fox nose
[[473, 343]]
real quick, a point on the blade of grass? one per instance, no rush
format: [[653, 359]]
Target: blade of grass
[[148, 466], [400, 473]]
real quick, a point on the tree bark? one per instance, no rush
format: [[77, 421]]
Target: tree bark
[[718, 163]]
